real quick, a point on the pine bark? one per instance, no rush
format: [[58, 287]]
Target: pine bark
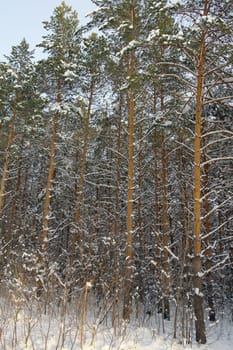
[[127, 309], [197, 260]]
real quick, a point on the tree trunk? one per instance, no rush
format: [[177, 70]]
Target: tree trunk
[[165, 258], [127, 308], [158, 243], [117, 228], [140, 236], [197, 263]]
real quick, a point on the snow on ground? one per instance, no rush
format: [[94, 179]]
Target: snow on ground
[[30, 328]]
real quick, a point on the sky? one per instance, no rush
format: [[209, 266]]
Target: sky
[[23, 19]]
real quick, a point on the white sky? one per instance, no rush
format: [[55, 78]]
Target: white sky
[[23, 19]]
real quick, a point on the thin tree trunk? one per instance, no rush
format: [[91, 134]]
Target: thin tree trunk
[[117, 234], [141, 252], [197, 263], [158, 244], [182, 292], [127, 308], [165, 257]]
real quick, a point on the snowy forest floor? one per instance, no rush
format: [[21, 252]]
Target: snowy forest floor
[[26, 326]]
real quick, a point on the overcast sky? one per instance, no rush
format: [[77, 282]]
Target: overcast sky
[[23, 19]]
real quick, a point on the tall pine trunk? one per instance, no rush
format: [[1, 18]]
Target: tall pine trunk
[[197, 261], [127, 308]]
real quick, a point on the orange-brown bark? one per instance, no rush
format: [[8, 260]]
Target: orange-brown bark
[[130, 191], [197, 263]]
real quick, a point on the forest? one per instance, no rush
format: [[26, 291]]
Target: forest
[[116, 166]]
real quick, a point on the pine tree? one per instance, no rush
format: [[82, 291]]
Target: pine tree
[[200, 67], [62, 46]]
